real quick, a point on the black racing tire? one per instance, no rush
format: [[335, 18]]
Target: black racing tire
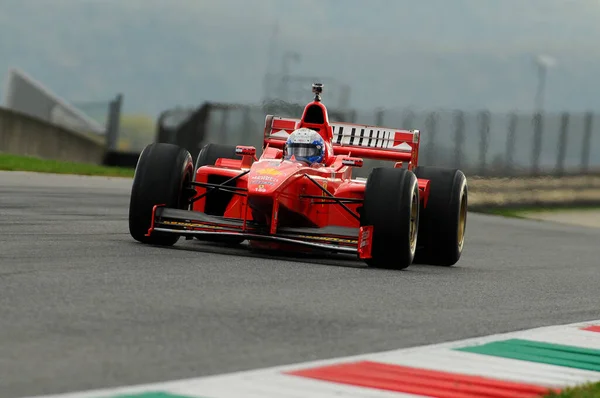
[[391, 206], [444, 220], [161, 174], [207, 156]]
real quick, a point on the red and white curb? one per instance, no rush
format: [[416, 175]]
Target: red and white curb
[[518, 364]]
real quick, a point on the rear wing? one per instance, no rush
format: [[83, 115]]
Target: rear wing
[[369, 142]]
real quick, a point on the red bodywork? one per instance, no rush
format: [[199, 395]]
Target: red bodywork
[[273, 202]]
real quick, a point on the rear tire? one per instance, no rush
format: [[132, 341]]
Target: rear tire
[[162, 172], [208, 156], [444, 220], [391, 206]]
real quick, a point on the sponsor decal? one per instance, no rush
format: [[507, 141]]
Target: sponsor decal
[[329, 239], [193, 225], [270, 162], [263, 182], [323, 192], [268, 171], [416, 134], [263, 179], [364, 239], [260, 188]]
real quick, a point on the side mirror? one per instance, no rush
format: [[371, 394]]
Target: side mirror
[[245, 150], [353, 162]]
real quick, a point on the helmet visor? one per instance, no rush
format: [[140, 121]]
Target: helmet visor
[[303, 150]]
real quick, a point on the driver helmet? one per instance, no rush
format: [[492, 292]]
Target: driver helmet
[[305, 145]]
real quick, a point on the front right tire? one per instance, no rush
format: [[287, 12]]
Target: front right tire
[[162, 172], [391, 206]]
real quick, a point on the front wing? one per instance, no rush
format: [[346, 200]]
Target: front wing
[[192, 223]]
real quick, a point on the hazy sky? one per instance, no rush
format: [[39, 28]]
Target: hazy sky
[[389, 51]]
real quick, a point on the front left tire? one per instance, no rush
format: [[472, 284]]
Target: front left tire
[[444, 220]]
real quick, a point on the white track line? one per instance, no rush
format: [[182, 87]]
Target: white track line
[[270, 382]]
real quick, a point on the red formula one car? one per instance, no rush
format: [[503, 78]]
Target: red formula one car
[[300, 194]]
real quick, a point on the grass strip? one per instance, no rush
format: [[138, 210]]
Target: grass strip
[[589, 390], [522, 212], [10, 162]]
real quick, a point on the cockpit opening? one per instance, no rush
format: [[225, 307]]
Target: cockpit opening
[[314, 115]]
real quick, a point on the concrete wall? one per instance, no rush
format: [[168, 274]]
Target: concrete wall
[[21, 134]]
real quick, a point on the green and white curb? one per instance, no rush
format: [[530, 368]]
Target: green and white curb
[[526, 363]]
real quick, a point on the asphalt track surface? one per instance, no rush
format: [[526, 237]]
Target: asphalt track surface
[[83, 306]]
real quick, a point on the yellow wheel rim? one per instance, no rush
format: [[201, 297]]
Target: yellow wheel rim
[[462, 221], [414, 212]]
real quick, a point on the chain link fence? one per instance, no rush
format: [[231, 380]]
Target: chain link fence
[[480, 143], [228, 124], [502, 144]]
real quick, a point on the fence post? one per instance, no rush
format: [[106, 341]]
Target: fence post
[[431, 127], [510, 143], [562, 144], [379, 113], [484, 131], [459, 137], [246, 127], [113, 123], [223, 128], [191, 133], [587, 138], [199, 128], [408, 119], [161, 133], [538, 126], [352, 116]]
